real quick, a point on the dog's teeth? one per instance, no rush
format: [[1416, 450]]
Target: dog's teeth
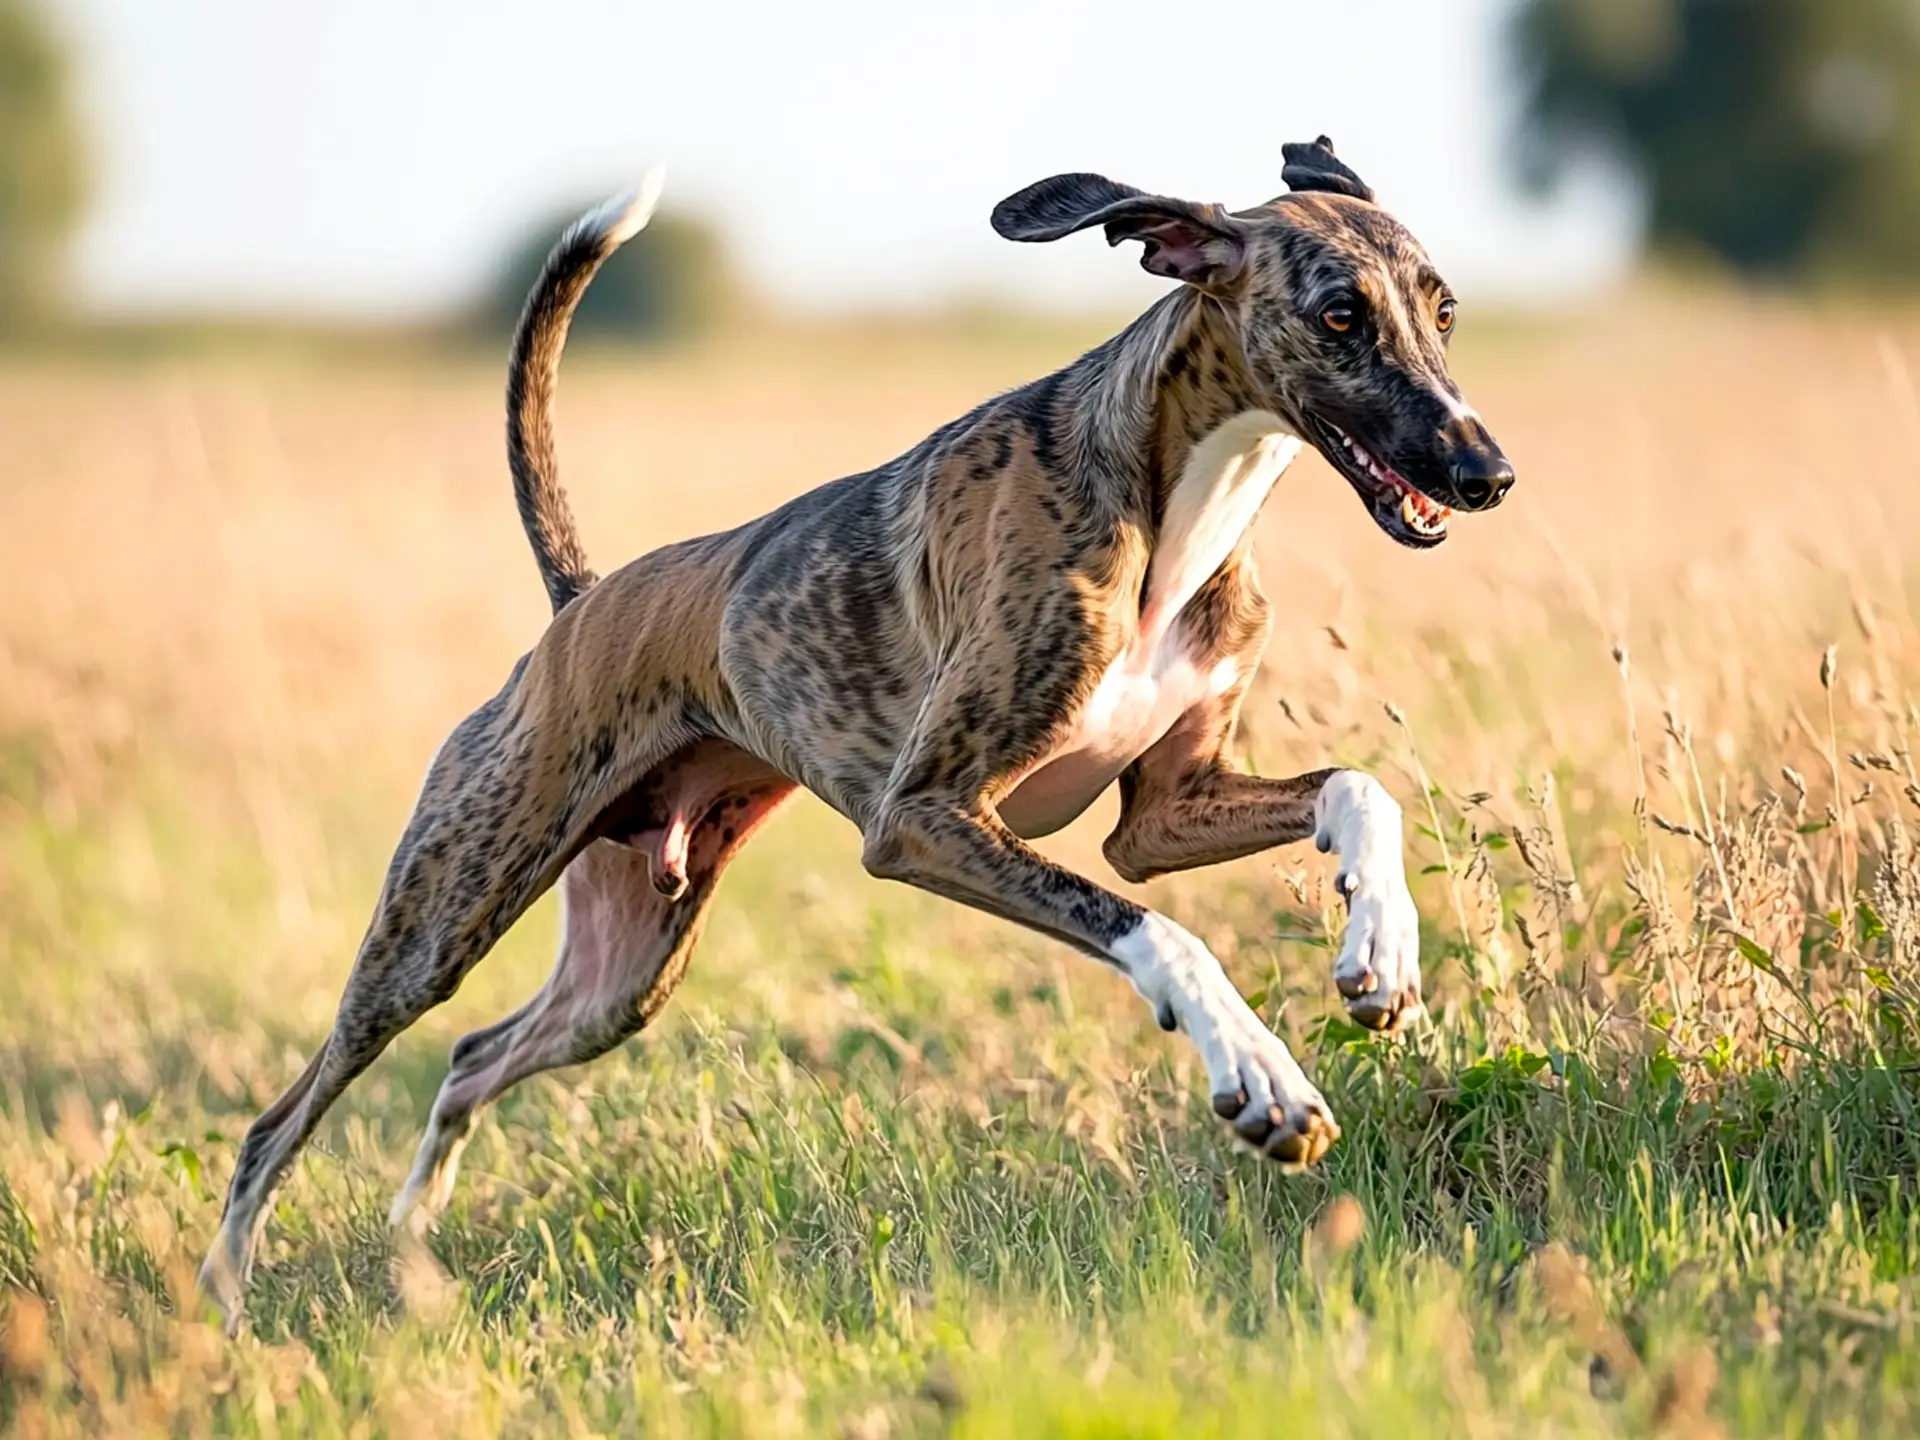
[[1421, 515], [1414, 512]]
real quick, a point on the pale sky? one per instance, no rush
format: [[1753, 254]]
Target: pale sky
[[376, 157]]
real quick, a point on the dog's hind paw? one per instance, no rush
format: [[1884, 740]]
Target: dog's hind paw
[[223, 1287]]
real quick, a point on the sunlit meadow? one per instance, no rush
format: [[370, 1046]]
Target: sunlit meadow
[[886, 1167]]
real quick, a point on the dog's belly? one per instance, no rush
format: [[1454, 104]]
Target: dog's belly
[[1136, 702]]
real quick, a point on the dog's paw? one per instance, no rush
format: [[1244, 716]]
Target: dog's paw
[[223, 1285], [1261, 1092], [1258, 1087], [1378, 971]]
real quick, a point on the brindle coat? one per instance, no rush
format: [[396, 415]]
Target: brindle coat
[[958, 651]]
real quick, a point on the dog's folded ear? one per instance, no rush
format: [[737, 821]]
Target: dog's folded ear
[[1313, 167], [1200, 244]]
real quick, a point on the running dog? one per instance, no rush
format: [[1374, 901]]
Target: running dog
[[958, 651]]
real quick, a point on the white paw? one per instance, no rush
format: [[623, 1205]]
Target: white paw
[[1258, 1087], [1378, 972], [223, 1281], [1260, 1090]]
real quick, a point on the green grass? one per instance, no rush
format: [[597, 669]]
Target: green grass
[[884, 1166], [879, 1173]]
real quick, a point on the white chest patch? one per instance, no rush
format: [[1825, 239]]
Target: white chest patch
[[1160, 675]]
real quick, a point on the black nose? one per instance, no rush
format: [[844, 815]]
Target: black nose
[[1481, 477]]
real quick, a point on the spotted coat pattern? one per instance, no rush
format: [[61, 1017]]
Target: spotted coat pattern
[[911, 644]]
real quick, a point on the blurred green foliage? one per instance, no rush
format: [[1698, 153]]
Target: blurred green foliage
[[1782, 136], [43, 171], [669, 282]]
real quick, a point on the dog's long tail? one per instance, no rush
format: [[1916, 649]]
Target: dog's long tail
[[537, 342]]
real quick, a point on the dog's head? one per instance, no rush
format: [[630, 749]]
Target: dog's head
[[1343, 320]]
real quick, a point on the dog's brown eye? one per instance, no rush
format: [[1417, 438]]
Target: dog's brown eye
[[1338, 318], [1444, 316]]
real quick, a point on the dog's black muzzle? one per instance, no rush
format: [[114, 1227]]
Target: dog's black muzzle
[[1478, 473], [1480, 478]]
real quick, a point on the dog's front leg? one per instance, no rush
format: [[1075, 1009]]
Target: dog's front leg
[[960, 849], [1184, 805], [1378, 971]]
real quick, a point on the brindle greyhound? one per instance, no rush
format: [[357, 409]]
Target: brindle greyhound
[[958, 651]]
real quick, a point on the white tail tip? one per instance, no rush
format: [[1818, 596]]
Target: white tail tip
[[626, 215]]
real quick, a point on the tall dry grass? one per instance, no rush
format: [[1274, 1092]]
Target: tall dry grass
[[1654, 719]]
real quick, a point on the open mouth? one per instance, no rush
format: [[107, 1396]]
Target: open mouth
[[1413, 518]]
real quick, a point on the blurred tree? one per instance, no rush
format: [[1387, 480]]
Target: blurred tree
[[1781, 135], [43, 188], [670, 281]]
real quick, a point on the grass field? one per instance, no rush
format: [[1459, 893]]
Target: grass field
[[887, 1167]]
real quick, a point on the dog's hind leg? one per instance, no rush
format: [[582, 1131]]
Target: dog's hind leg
[[486, 838], [631, 915]]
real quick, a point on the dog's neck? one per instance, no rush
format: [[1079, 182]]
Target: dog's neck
[[1202, 383], [1173, 377]]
